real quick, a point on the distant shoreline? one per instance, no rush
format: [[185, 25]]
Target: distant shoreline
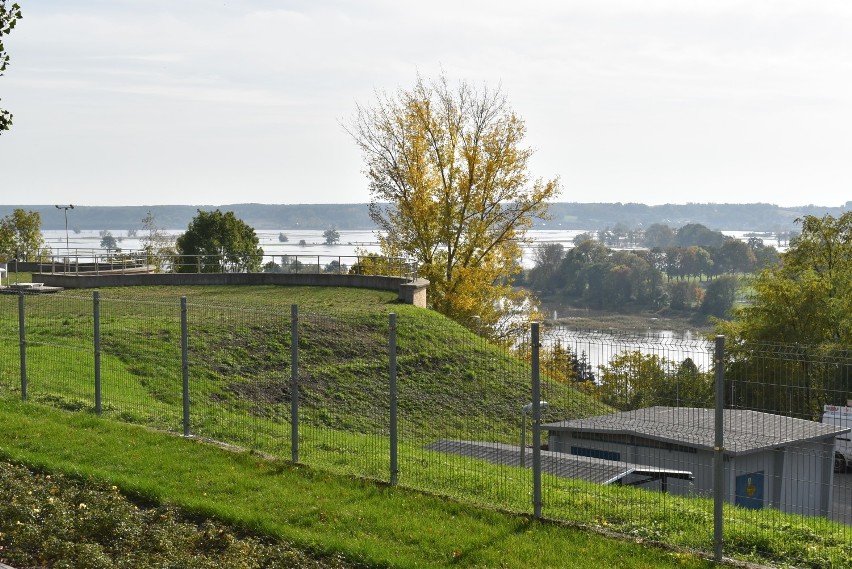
[[563, 216]]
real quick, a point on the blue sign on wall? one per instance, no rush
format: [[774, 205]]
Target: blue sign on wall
[[749, 491]]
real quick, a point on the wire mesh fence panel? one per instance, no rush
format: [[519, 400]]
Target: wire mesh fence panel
[[628, 433], [10, 357], [140, 344], [628, 425], [344, 396], [460, 414], [784, 479], [59, 349], [238, 360]]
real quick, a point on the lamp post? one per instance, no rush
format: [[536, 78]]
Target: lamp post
[[524, 410], [66, 208]]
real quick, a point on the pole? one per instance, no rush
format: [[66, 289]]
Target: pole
[[394, 440], [536, 429], [184, 350], [524, 436], [22, 331], [65, 208], [719, 450], [294, 383], [96, 301]]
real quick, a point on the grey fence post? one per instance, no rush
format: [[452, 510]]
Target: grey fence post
[[96, 304], [719, 486], [536, 427], [394, 439], [294, 383], [22, 332], [184, 352]]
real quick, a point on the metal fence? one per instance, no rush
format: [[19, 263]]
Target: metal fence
[[95, 261], [678, 440]]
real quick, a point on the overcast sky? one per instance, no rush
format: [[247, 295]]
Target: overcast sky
[[123, 102]]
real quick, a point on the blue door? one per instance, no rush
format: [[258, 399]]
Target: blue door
[[749, 491]]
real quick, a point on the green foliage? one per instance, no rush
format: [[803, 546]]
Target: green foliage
[[218, 242], [805, 300], [633, 380], [695, 234], [9, 16], [659, 235], [719, 296], [20, 236]]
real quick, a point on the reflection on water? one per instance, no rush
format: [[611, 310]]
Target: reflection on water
[[600, 347]]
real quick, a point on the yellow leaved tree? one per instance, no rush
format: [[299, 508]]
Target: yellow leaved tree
[[450, 187]]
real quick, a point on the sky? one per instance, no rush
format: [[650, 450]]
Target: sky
[[130, 102]]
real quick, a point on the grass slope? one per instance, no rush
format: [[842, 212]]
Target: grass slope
[[374, 525]]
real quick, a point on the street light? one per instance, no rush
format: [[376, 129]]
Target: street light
[[524, 410], [66, 208]]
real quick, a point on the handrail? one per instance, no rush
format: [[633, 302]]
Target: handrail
[[97, 261]]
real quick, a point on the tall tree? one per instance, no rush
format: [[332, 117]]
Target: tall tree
[[451, 187], [21, 237], [218, 242], [9, 16], [547, 259]]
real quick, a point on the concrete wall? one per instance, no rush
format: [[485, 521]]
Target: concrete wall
[[411, 292]]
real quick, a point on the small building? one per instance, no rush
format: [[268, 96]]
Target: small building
[[769, 460]]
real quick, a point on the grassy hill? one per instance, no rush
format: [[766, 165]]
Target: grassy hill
[[451, 382]]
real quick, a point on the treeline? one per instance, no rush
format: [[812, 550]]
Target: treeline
[[745, 217], [564, 215], [692, 267]]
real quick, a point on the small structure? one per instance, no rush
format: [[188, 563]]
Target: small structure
[[769, 460]]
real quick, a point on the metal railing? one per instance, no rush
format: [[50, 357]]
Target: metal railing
[[97, 261]]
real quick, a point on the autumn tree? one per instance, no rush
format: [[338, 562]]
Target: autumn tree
[[450, 186], [9, 16], [218, 242], [21, 237]]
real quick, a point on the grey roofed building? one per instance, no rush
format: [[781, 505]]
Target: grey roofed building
[[770, 460], [744, 431]]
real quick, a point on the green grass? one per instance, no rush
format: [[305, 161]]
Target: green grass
[[452, 384], [376, 525]]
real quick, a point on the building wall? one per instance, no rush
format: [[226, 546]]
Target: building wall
[[794, 479]]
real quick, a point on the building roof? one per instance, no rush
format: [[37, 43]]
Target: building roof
[[558, 463], [744, 432]]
